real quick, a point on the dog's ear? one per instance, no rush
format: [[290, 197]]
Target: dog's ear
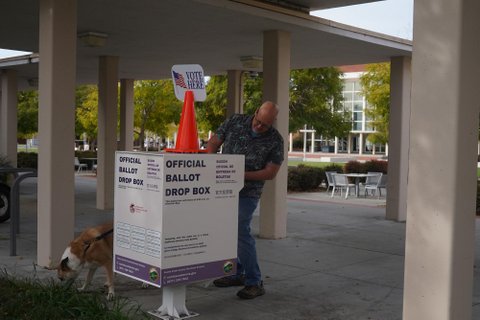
[[64, 264]]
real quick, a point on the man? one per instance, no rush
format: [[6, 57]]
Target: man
[[256, 138]]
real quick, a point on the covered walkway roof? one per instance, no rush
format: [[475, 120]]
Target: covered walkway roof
[[150, 36]]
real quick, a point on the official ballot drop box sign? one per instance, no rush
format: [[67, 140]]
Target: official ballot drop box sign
[[176, 216]]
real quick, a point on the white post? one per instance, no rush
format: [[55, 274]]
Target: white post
[[305, 143], [276, 77], [440, 229], [400, 91], [234, 92], [349, 143], [360, 143], [107, 130], [56, 129], [146, 141], [126, 115], [312, 149], [290, 144], [8, 115]]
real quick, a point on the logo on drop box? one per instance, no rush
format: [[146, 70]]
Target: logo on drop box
[[153, 274], [133, 208], [228, 267]]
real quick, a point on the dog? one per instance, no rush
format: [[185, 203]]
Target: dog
[[92, 249]]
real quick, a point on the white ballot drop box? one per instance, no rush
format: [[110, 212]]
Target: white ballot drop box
[[176, 216]]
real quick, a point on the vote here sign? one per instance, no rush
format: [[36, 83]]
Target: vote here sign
[[189, 77]]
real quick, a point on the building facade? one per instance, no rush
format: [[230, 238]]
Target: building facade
[[354, 102]]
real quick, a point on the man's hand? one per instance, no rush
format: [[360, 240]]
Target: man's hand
[[213, 144]]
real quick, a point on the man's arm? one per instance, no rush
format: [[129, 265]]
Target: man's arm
[[213, 144], [267, 173]]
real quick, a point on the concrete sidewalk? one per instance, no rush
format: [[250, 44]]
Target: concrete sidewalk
[[341, 260]]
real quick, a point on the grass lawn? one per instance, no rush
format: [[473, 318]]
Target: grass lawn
[[23, 148]]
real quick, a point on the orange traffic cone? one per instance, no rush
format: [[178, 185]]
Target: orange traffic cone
[[187, 135]]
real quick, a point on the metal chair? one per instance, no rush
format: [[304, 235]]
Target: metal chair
[[382, 184], [340, 181], [80, 166], [330, 181], [377, 183]]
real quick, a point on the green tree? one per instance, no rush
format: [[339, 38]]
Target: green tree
[[86, 120], [211, 112], [27, 113], [156, 107], [252, 92], [376, 89], [316, 100]]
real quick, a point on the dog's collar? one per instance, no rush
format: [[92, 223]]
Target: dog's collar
[[88, 243]]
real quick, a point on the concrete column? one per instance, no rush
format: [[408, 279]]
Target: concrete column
[[400, 90], [276, 76], [8, 116], [234, 92], [336, 145], [126, 115], [107, 130], [442, 173], [56, 129]]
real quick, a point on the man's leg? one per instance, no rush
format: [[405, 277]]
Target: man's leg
[[248, 271], [247, 253]]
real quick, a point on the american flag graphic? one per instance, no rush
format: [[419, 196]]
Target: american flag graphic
[[179, 80]]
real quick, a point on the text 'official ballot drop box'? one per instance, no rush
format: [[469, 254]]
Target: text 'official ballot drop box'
[[176, 216]]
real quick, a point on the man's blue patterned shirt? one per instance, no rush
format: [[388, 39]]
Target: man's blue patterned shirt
[[259, 149]]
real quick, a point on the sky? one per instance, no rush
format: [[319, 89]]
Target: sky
[[392, 17], [10, 53]]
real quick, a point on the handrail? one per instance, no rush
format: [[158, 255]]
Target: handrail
[[15, 203]]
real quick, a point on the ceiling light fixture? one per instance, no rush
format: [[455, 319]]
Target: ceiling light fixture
[[252, 62], [93, 39]]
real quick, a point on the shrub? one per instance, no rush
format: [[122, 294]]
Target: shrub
[[354, 167], [304, 178], [294, 179], [375, 166], [86, 154], [334, 167], [297, 143], [27, 160]]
